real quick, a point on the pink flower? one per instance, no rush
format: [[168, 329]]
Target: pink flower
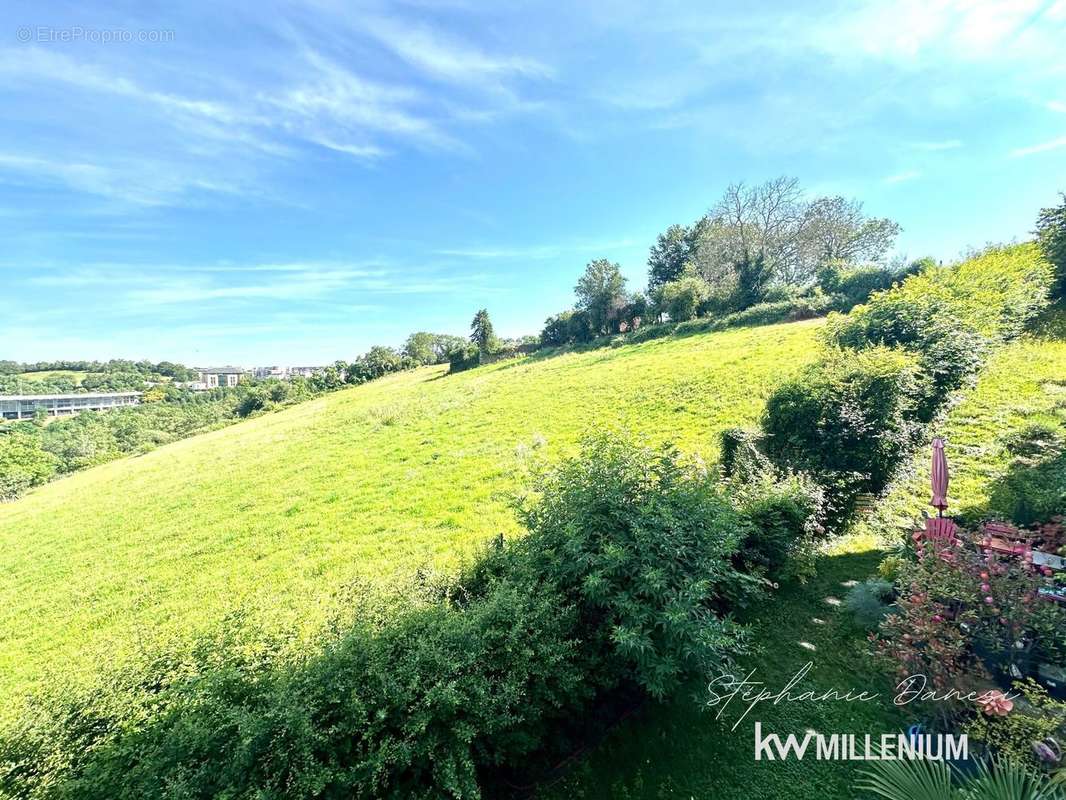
[[986, 588], [937, 618], [995, 704], [989, 600]]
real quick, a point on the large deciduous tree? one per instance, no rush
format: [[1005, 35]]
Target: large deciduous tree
[[671, 252], [771, 230], [419, 346], [601, 293], [836, 229]]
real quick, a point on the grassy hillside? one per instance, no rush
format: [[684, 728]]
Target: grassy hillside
[[679, 749], [1023, 385], [272, 518]]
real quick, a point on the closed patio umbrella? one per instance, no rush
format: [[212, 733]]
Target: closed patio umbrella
[[940, 477]]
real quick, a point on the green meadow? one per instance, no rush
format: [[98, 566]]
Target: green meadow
[[275, 519]]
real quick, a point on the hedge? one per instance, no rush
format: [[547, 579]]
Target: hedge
[[891, 368]]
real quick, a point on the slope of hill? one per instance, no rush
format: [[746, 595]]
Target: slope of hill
[[273, 518], [680, 749]]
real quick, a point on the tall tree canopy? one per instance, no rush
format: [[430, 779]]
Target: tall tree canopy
[[601, 293], [836, 229], [481, 332], [1051, 234], [671, 252], [773, 229]]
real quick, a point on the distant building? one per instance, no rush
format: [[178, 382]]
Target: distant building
[[25, 406], [213, 377]]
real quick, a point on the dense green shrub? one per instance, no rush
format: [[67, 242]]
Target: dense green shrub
[[24, 463], [854, 283], [1033, 489], [680, 299], [785, 513], [567, 327], [849, 421], [641, 543], [949, 352], [740, 455], [994, 295], [462, 358], [625, 578], [792, 310], [951, 316]]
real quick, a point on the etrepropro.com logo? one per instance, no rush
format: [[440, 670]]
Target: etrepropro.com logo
[[861, 747]]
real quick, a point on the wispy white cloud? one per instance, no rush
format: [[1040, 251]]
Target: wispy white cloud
[[901, 177], [446, 58], [335, 108], [142, 183], [1057, 106], [1043, 147], [137, 289]]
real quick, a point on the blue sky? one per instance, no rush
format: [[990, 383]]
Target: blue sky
[[291, 183]]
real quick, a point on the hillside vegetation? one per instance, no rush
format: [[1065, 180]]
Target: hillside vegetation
[[273, 519], [680, 749]]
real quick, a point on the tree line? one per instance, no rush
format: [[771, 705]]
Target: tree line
[[757, 244]]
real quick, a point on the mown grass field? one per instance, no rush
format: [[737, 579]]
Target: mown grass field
[[679, 750], [271, 519], [45, 375]]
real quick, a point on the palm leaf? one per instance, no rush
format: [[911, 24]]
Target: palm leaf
[[909, 780], [1008, 781]]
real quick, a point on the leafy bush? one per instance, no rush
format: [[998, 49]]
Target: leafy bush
[[567, 327], [791, 310], [1014, 736], [741, 457], [462, 358], [854, 283], [848, 421], [1034, 486], [642, 544], [950, 351], [681, 298], [24, 463], [785, 515]]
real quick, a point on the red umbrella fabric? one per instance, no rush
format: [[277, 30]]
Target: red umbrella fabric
[[940, 476]]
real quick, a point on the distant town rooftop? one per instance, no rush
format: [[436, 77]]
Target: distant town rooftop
[[220, 370]]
